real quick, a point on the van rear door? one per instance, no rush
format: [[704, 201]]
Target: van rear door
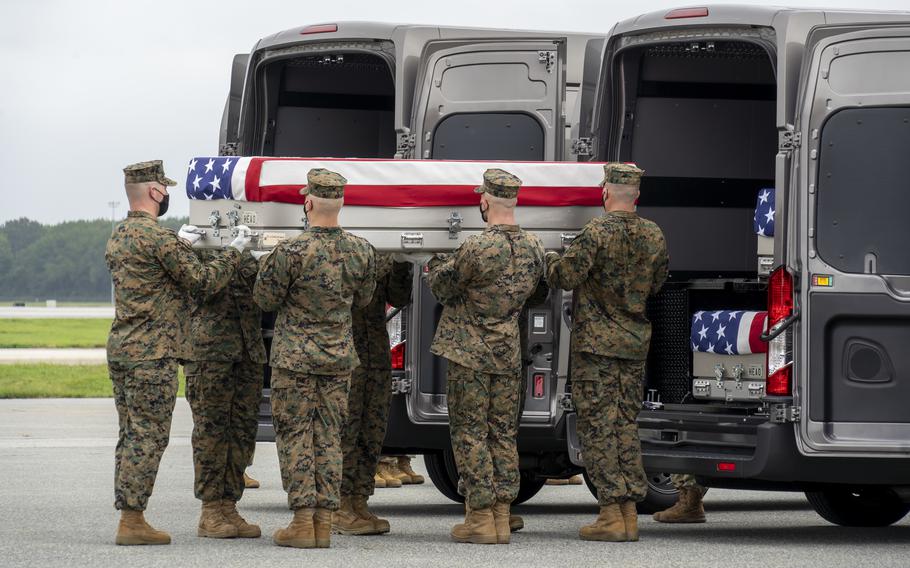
[[487, 99], [852, 345]]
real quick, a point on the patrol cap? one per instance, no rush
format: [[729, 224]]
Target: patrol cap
[[324, 183], [622, 174], [499, 183], [153, 170]]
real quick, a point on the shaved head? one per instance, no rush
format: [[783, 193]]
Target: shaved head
[[500, 202], [323, 206], [624, 194]]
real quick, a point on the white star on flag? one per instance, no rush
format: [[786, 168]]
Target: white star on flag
[[720, 331], [710, 347], [225, 166], [703, 333], [763, 197], [769, 216], [196, 182], [698, 316], [715, 316], [761, 231], [191, 167], [216, 184], [733, 315], [209, 165], [729, 349]]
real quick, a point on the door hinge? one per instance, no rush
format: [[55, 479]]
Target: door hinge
[[789, 140], [406, 144], [583, 147], [564, 402], [783, 413], [547, 58], [401, 386]]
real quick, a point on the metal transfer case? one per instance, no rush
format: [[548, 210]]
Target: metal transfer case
[[731, 378]]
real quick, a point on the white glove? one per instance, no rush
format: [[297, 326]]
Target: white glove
[[243, 238], [190, 233], [258, 254]]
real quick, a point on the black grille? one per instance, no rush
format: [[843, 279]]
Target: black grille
[[670, 357]]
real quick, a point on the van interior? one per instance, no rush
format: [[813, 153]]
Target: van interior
[[338, 105], [699, 117]]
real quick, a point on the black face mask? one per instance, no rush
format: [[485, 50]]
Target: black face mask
[[483, 212], [163, 204]]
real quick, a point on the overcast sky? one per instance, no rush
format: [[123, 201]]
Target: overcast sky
[[90, 85]]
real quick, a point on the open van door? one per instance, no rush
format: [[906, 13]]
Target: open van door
[[229, 135], [487, 99], [848, 256]]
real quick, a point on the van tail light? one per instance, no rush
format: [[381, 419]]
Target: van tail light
[[537, 388], [319, 29], [780, 349], [686, 13], [397, 353]]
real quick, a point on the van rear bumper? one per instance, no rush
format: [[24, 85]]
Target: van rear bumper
[[739, 451]]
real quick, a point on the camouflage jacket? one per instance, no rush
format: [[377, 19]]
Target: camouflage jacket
[[312, 282], [484, 286], [225, 325], [371, 336], [613, 265], [153, 269]]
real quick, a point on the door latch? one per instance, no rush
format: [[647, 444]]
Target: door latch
[[454, 220]]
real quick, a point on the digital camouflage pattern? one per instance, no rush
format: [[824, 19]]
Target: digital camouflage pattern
[[152, 170], [324, 183], [227, 325], [309, 412], [224, 374], [371, 392], [607, 393], [622, 174], [153, 269], [613, 265], [680, 480], [484, 285], [499, 183], [483, 421], [144, 394], [312, 282]]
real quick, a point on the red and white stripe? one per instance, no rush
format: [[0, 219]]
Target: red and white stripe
[[417, 183], [748, 337]]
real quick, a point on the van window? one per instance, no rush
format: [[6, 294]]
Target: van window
[[489, 136], [864, 191]]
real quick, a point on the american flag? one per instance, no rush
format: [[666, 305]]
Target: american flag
[[763, 222], [729, 332], [210, 178]]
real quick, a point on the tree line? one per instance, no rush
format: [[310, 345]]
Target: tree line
[[62, 262]]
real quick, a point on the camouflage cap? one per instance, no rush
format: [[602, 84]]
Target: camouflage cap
[[323, 183], [499, 183], [152, 170], [622, 174]]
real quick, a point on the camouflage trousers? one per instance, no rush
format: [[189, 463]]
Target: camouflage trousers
[[144, 393], [309, 412], [368, 414], [483, 421], [680, 480], [607, 393], [224, 398]]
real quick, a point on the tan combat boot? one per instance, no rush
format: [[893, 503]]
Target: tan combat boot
[[378, 481], [609, 526], [630, 518], [575, 480], [212, 523], [346, 520], [249, 482], [502, 521], [300, 533], [405, 471], [385, 471], [689, 508], [244, 529], [359, 504], [477, 528], [133, 530], [322, 527], [516, 523]]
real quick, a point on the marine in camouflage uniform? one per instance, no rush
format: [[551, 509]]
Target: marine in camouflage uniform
[[313, 282], [224, 373], [613, 265], [152, 270], [484, 285], [369, 398]]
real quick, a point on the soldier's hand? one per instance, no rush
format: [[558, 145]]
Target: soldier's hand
[[259, 254], [190, 233], [243, 238]]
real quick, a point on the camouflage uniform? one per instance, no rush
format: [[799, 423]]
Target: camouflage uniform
[[371, 392], [613, 265], [680, 480], [484, 286], [224, 371], [312, 282], [152, 270]]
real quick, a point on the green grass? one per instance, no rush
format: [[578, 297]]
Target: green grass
[[54, 332], [59, 381]]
